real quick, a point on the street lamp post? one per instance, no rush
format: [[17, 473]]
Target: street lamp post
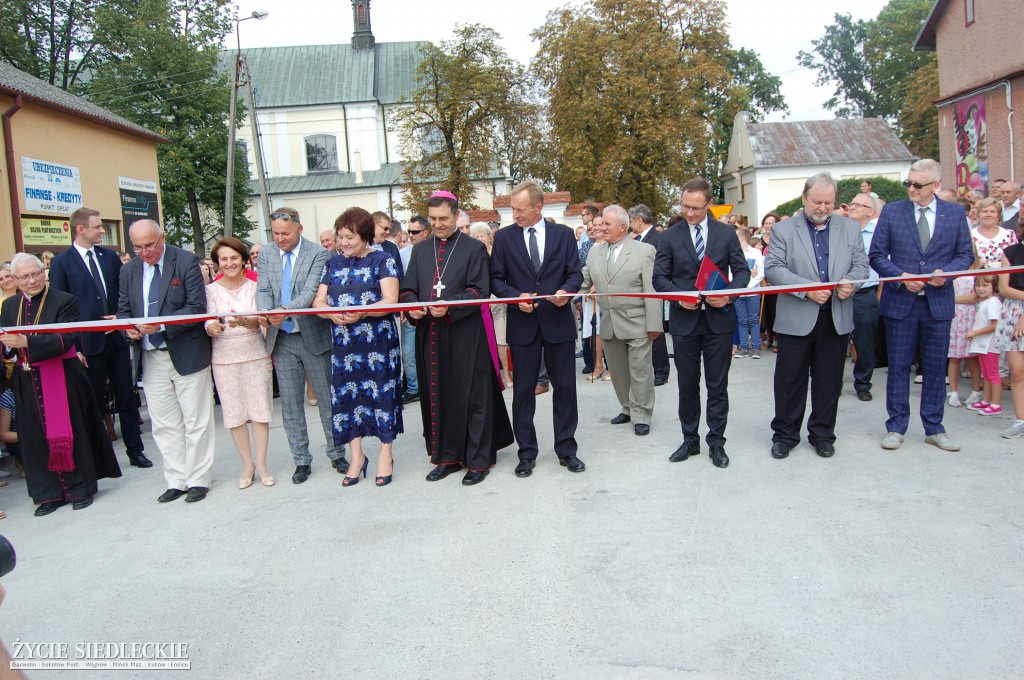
[[239, 72]]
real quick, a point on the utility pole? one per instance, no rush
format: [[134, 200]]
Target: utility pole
[[240, 76]]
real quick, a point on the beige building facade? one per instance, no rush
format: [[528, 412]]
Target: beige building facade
[[62, 152]]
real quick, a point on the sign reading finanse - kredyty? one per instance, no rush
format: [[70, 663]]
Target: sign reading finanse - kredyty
[[50, 188]]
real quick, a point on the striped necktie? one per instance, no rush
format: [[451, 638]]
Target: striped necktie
[[698, 243]]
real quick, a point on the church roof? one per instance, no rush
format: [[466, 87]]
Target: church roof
[[825, 142], [310, 75]]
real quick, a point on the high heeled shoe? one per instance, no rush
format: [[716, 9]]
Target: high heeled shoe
[[246, 483], [595, 376], [384, 481], [267, 481], [352, 481]]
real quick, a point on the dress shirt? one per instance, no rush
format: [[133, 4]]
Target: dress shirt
[[644, 233], [1011, 210], [930, 215], [84, 253], [866, 235], [540, 237], [703, 224], [295, 258]]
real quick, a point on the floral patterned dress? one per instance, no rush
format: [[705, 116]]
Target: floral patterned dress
[[963, 319], [366, 362], [990, 250]]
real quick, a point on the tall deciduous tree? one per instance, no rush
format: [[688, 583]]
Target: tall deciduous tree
[[637, 88], [876, 72], [164, 76], [452, 130]]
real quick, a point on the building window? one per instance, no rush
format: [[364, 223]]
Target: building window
[[111, 229], [968, 12], [361, 14], [322, 153]]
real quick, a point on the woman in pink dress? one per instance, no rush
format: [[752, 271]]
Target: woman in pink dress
[[241, 365]]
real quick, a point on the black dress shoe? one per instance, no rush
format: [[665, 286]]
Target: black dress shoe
[[442, 471], [525, 468], [639, 429], [718, 457], [81, 503], [658, 382], [46, 508], [780, 450], [864, 396], [140, 460], [195, 494], [340, 464], [573, 463], [620, 419], [825, 449], [302, 472], [474, 477], [685, 450], [410, 397], [171, 495]]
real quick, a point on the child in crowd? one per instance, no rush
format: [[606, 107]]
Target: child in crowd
[[963, 321], [986, 318], [1010, 333]]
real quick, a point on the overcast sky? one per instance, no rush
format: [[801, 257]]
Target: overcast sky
[[775, 29]]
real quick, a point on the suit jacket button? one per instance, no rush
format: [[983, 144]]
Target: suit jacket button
[[922, 263]]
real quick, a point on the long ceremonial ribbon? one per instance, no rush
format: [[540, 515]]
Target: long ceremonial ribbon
[[104, 325]]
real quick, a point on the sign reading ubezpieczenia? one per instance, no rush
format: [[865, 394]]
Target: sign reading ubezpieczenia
[[138, 200], [50, 188]]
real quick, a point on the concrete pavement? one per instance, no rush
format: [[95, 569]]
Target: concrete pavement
[[902, 564]]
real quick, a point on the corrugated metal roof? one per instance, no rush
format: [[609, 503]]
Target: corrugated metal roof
[[825, 142], [34, 90], [308, 75], [387, 175]]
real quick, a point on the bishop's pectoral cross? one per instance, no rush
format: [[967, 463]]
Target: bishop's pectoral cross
[[438, 287]]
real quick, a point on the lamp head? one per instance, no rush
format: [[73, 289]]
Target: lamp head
[[260, 14]]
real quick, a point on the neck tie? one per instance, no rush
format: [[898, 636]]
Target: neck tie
[[612, 247], [534, 251], [287, 325], [97, 280], [698, 243], [922, 229], [157, 339]]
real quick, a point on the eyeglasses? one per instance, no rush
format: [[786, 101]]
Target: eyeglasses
[[907, 183], [287, 217], [413, 232], [861, 205], [34, 275]]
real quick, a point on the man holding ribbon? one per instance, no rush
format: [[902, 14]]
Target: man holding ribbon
[[464, 418], [919, 235], [64, 445]]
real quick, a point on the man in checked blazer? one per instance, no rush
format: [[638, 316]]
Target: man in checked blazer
[[622, 264], [290, 272], [919, 235]]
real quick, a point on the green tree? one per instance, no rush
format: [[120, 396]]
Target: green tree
[[164, 76], [876, 72], [53, 40], [451, 132], [887, 189], [641, 95]]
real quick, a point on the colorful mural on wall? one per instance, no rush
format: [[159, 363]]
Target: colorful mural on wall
[[971, 129]]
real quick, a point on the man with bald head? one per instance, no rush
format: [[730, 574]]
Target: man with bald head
[[174, 360], [327, 240], [864, 210]]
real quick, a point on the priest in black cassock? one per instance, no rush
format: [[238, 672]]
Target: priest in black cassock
[[464, 417], [64, 445]]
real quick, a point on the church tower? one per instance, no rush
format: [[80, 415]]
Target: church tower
[[362, 36]]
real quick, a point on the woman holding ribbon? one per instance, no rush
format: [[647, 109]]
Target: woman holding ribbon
[[64, 446]]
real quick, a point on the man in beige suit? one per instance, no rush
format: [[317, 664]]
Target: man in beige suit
[[628, 325]]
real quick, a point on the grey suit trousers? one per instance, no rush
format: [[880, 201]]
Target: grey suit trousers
[[293, 363], [632, 376]]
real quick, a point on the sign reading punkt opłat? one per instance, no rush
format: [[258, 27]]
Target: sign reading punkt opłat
[[50, 187]]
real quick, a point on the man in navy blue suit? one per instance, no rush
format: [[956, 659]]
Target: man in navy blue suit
[[92, 274], [919, 235], [539, 257]]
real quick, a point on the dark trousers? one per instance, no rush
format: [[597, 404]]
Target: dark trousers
[[560, 360], [115, 364], [865, 330], [819, 356], [716, 350], [659, 358]]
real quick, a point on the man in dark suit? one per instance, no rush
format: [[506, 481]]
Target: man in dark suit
[[539, 257], [174, 360], [92, 275], [641, 223], [919, 235], [702, 329]]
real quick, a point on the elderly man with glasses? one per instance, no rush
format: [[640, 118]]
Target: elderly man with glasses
[[863, 210], [290, 271]]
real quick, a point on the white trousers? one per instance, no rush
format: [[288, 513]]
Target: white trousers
[[181, 412]]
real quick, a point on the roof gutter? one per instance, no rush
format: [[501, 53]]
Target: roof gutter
[[12, 172]]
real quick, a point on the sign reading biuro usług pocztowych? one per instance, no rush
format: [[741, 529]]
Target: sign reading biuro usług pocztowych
[[51, 188]]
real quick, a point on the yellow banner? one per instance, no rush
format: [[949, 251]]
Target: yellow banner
[[37, 232]]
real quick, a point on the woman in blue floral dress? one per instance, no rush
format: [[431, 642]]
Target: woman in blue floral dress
[[366, 362]]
